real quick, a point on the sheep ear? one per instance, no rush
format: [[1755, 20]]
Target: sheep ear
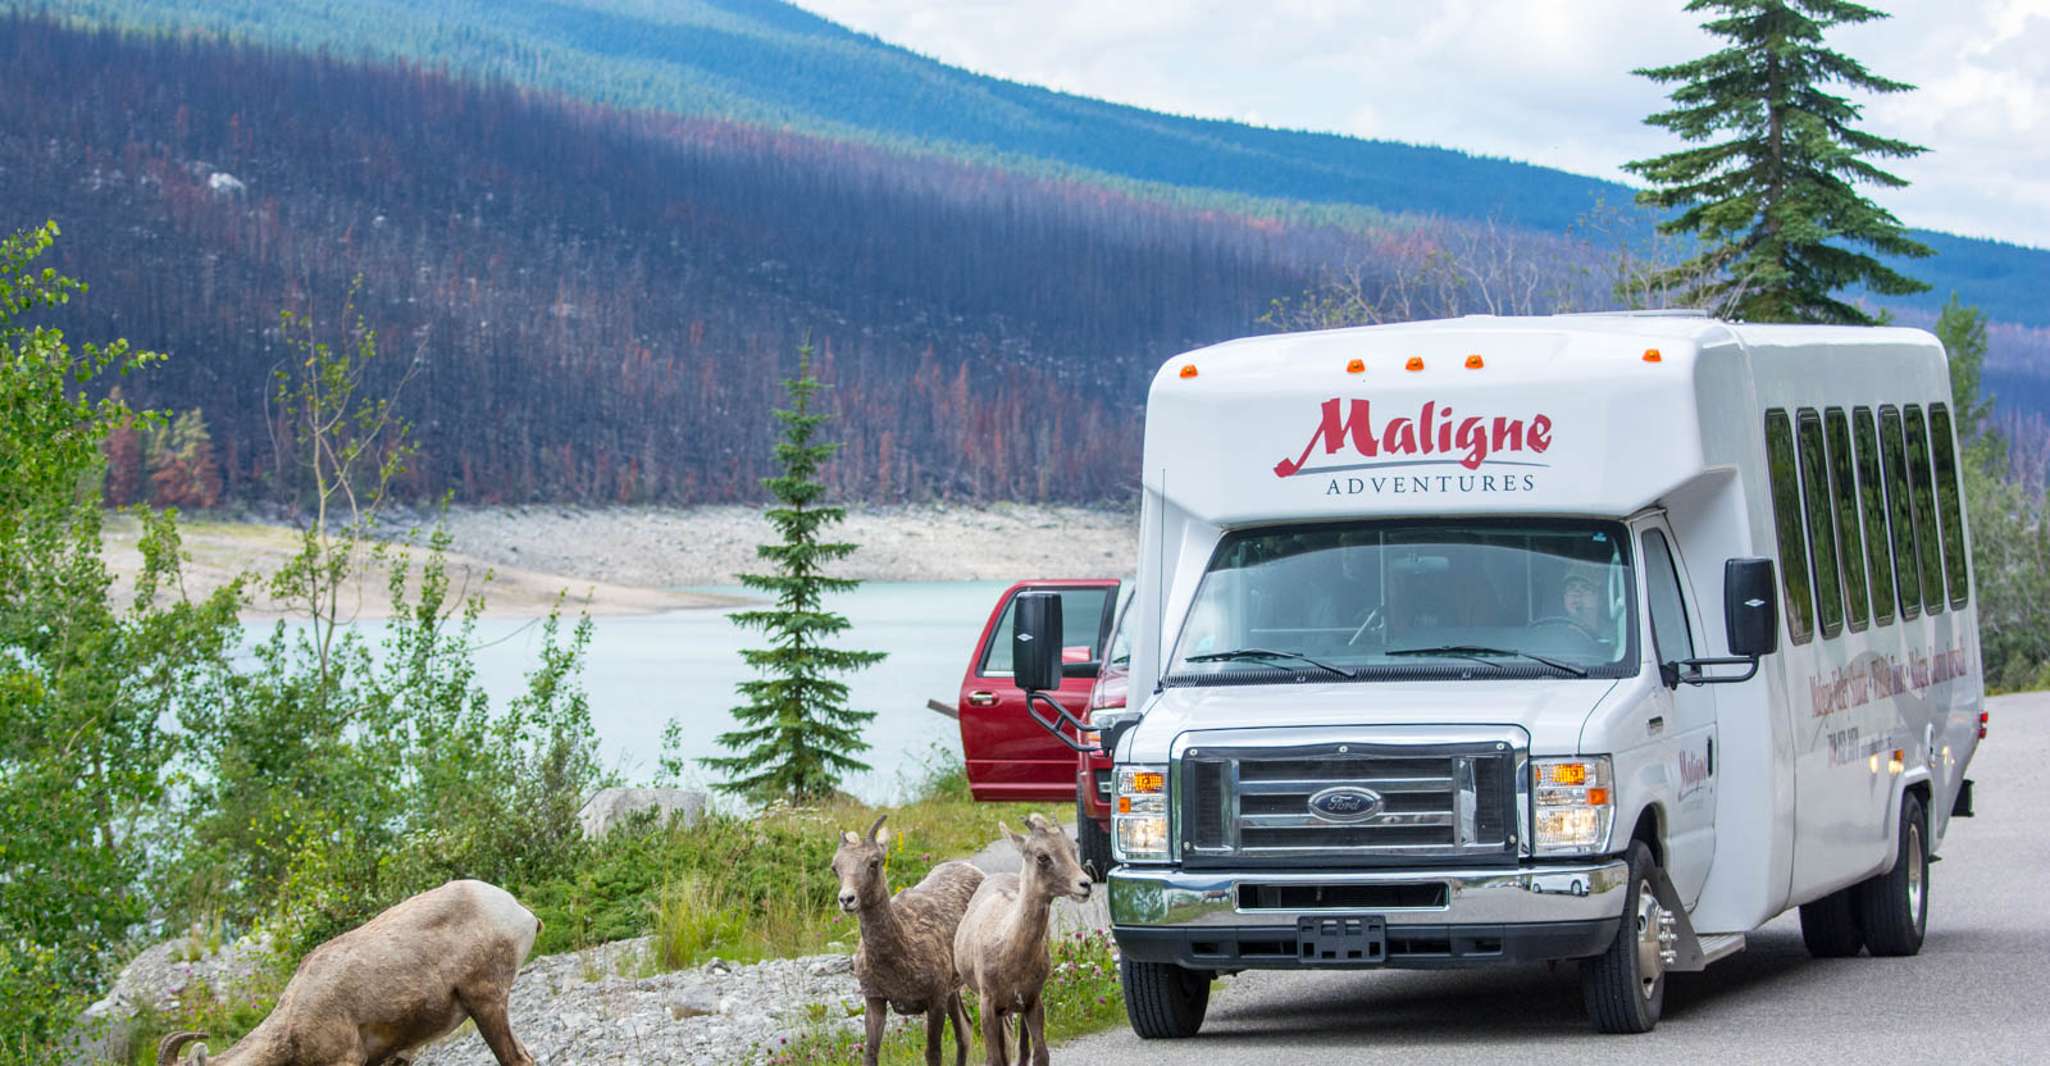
[[872, 830], [885, 837], [1037, 823], [1015, 838], [848, 837]]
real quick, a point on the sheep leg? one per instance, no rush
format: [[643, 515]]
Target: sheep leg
[[1024, 1040], [1034, 1019], [958, 1011], [935, 1031], [876, 1016], [489, 1014], [993, 1038]]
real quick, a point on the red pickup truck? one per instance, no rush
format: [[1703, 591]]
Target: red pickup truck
[[1011, 757]]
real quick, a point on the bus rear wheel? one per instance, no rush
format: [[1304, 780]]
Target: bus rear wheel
[[1829, 926], [1893, 908]]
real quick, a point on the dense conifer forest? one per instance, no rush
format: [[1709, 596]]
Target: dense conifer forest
[[597, 304]]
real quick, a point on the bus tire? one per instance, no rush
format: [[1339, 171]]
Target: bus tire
[[1162, 1000], [1625, 986], [1893, 907], [1829, 926], [1092, 843]]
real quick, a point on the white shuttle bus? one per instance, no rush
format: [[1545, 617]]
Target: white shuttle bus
[[1498, 640]]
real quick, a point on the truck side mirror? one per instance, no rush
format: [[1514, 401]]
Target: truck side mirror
[[1750, 622], [1036, 641], [1751, 607]]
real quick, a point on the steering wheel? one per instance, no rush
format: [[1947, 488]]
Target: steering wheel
[[1374, 622], [1561, 620]]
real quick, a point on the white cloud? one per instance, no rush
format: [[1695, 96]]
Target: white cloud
[[1542, 80]]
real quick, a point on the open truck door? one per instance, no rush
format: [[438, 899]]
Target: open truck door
[[1011, 757]]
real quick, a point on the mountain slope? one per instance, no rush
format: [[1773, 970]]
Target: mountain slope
[[600, 305], [762, 61]]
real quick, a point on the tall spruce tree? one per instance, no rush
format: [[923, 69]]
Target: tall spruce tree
[[797, 737], [1774, 203]]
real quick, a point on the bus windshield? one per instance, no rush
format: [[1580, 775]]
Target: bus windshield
[[1399, 600]]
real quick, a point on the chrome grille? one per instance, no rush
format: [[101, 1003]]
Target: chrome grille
[[1246, 804]]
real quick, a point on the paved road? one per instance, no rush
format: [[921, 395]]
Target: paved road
[[1979, 991]]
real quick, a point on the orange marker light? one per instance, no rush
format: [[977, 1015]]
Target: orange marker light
[[1598, 797], [1416, 362], [1473, 362], [1651, 355], [1188, 370], [1357, 366]]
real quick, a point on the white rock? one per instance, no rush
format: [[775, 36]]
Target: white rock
[[608, 806]]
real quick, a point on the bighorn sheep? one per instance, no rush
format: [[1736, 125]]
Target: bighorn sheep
[[906, 957], [1000, 949], [401, 979]]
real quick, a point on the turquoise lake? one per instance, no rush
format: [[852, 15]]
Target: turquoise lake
[[643, 670]]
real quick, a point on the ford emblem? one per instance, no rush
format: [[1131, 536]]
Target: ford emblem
[[1346, 804]]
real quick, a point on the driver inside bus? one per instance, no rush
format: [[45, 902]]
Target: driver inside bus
[[1580, 602]]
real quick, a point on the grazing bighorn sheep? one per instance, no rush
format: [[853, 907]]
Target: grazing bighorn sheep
[[906, 958], [394, 983], [1000, 949]]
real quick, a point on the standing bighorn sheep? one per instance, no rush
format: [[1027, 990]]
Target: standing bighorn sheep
[[1000, 949], [906, 958], [401, 979]]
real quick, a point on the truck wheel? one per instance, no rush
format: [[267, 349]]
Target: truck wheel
[[1893, 907], [1625, 986], [1092, 843], [1164, 1001], [1829, 926]]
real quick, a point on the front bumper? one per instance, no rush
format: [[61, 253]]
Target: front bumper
[[1249, 919]]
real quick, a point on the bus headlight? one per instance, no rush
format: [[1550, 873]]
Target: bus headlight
[[1138, 817], [1575, 803]]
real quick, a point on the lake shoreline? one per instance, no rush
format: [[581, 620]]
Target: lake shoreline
[[623, 561]]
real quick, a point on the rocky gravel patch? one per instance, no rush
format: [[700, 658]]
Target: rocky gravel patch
[[595, 1007], [158, 980]]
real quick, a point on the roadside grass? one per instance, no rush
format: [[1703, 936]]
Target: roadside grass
[[749, 886], [1082, 997]]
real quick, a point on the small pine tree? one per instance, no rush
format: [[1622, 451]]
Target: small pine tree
[[798, 737], [1774, 205]]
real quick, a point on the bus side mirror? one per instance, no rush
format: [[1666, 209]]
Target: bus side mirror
[[1751, 607], [1036, 642]]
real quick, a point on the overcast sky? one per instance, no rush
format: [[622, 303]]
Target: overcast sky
[[1541, 80]]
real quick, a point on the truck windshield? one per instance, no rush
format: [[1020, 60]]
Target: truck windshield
[[1372, 601]]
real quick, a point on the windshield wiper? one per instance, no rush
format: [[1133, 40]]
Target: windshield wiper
[[1474, 652], [1267, 653]]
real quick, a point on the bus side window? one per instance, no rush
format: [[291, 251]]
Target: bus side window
[[1843, 493], [1872, 503], [1905, 574], [1671, 637], [1829, 594], [1944, 449], [1923, 496], [1786, 521]]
